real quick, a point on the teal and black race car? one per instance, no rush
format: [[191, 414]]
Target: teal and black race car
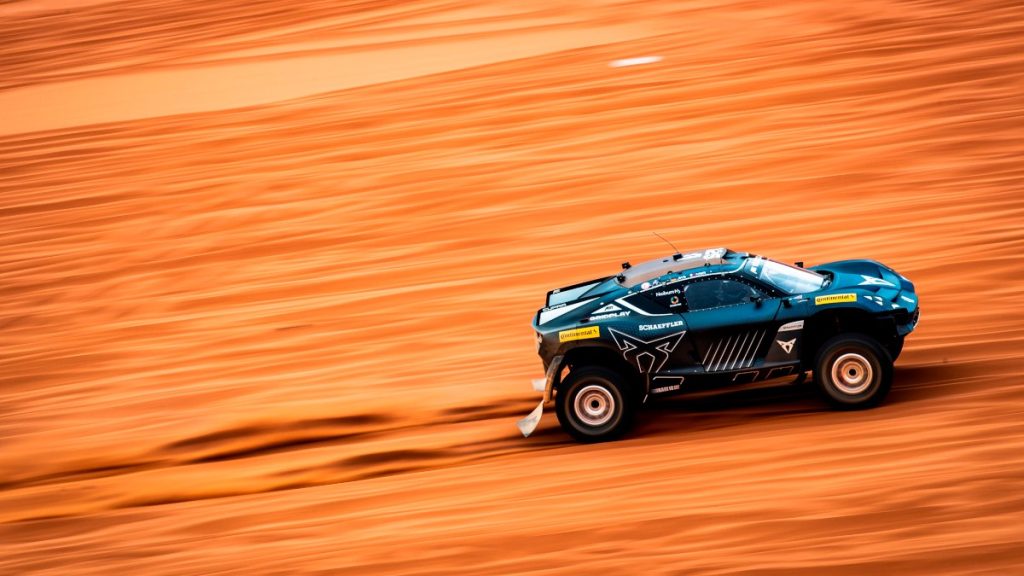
[[712, 318]]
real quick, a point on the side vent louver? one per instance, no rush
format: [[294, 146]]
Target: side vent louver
[[734, 352]]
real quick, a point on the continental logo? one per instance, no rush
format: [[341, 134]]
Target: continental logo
[[834, 299], [579, 334]]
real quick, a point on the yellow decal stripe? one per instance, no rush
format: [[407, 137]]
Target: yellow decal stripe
[[834, 299], [579, 334]]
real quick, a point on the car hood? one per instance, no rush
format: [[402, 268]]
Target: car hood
[[863, 274]]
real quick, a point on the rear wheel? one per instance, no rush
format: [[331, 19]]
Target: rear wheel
[[853, 371], [594, 405]]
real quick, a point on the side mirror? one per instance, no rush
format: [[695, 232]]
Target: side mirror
[[786, 302], [799, 264], [757, 300]]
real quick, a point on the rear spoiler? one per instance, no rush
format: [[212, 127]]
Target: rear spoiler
[[571, 293]]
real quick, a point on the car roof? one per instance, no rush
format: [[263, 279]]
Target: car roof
[[679, 262]]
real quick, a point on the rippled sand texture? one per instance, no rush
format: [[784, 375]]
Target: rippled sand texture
[[268, 269]]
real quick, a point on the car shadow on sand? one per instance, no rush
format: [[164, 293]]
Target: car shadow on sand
[[738, 406]]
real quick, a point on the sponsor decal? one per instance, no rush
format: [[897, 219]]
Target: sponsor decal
[[674, 302], [872, 281], [608, 308], [790, 326], [648, 355], [645, 286], [834, 299], [661, 326], [621, 314], [786, 345], [666, 292], [905, 299], [876, 299], [579, 334], [662, 389]]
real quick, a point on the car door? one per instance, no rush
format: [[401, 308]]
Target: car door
[[730, 321]]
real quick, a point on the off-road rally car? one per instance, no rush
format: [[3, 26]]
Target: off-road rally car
[[713, 318]]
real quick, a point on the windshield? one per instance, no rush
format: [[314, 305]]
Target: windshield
[[790, 279]]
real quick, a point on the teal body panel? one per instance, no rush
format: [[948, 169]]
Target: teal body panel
[[761, 330]]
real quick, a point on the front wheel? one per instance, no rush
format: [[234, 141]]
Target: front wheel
[[853, 371], [594, 405], [895, 348]]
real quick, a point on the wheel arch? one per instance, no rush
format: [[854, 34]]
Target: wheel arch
[[828, 323], [603, 356]]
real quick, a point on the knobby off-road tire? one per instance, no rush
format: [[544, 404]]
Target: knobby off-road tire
[[595, 405], [852, 371]]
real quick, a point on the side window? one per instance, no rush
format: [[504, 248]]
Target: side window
[[717, 293]]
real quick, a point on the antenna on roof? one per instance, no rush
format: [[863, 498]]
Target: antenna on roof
[[677, 253]]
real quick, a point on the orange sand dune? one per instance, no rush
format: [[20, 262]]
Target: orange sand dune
[[274, 316]]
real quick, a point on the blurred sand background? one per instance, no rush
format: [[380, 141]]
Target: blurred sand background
[[268, 267]]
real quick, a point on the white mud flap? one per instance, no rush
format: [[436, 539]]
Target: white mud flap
[[529, 424]]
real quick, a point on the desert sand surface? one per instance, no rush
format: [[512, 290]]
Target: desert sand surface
[[268, 268]]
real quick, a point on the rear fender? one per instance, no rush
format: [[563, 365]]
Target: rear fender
[[552, 377]]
